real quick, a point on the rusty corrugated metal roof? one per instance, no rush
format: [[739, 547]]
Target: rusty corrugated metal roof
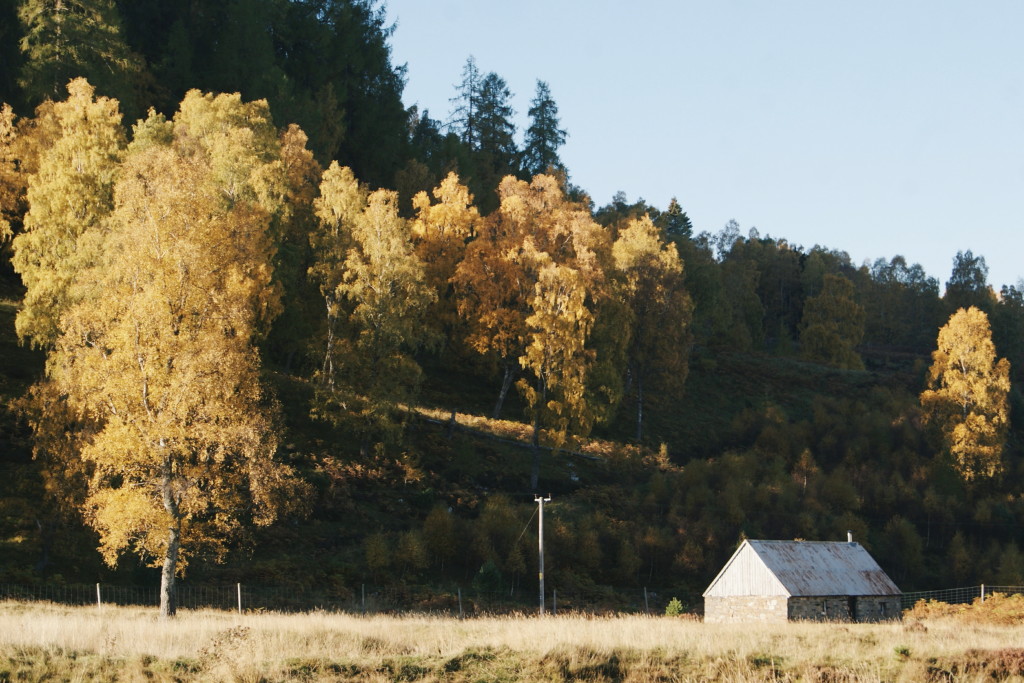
[[824, 568], [812, 568]]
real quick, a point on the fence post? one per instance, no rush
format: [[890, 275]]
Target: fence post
[[460, 603], [647, 604], [99, 601], [364, 598], [554, 601], [239, 598], [983, 592]]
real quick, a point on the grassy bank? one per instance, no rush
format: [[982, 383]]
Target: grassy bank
[[45, 642]]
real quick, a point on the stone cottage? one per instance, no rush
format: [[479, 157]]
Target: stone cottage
[[776, 581]]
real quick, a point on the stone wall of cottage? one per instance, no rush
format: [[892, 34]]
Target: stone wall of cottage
[[879, 608], [745, 609], [819, 609], [776, 609], [862, 608]]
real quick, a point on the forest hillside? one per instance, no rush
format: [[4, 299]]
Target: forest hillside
[[263, 322]]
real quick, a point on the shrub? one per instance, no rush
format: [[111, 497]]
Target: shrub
[[997, 608]]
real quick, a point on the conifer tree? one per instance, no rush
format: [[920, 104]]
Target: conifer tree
[[66, 39], [496, 155], [10, 53], [543, 137], [675, 222], [323, 64], [466, 113]]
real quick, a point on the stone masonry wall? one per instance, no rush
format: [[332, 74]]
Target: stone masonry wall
[[865, 608], [819, 609], [745, 609], [776, 609], [879, 608]]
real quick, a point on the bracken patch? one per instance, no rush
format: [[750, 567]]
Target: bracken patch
[[996, 665]]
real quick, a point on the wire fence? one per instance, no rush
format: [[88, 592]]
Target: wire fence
[[958, 596], [362, 599], [366, 599]]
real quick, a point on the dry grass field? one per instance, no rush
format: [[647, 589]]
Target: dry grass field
[[48, 642]]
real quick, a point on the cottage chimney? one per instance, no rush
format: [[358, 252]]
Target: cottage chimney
[[849, 537]]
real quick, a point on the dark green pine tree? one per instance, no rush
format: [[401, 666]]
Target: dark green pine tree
[[496, 155], [245, 58], [496, 130], [432, 155], [441, 152], [543, 137], [10, 56], [466, 103], [175, 38], [356, 64], [674, 222], [65, 39], [323, 64]]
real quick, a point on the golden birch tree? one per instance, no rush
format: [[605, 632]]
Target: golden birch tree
[[376, 298], [294, 329], [967, 393], [22, 142], [557, 358], [69, 196], [59, 430], [659, 312], [165, 361], [493, 287], [440, 232], [495, 283], [12, 181]]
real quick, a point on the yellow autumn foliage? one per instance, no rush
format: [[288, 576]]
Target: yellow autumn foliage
[[556, 355], [69, 195], [12, 183], [967, 393], [376, 299], [165, 360], [658, 312], [495, 284]]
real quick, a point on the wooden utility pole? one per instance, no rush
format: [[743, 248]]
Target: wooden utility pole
[[540, 500]]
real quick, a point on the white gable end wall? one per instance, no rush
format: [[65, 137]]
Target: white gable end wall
[[777, 581], [746, 574]]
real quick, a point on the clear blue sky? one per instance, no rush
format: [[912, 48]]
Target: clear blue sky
[[874, 127]]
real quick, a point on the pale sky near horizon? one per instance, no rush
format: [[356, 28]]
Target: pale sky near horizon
[[876, 128]]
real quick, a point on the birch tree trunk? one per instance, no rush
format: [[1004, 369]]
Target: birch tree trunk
[[168, 590], [506, 382], [639, 407]]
